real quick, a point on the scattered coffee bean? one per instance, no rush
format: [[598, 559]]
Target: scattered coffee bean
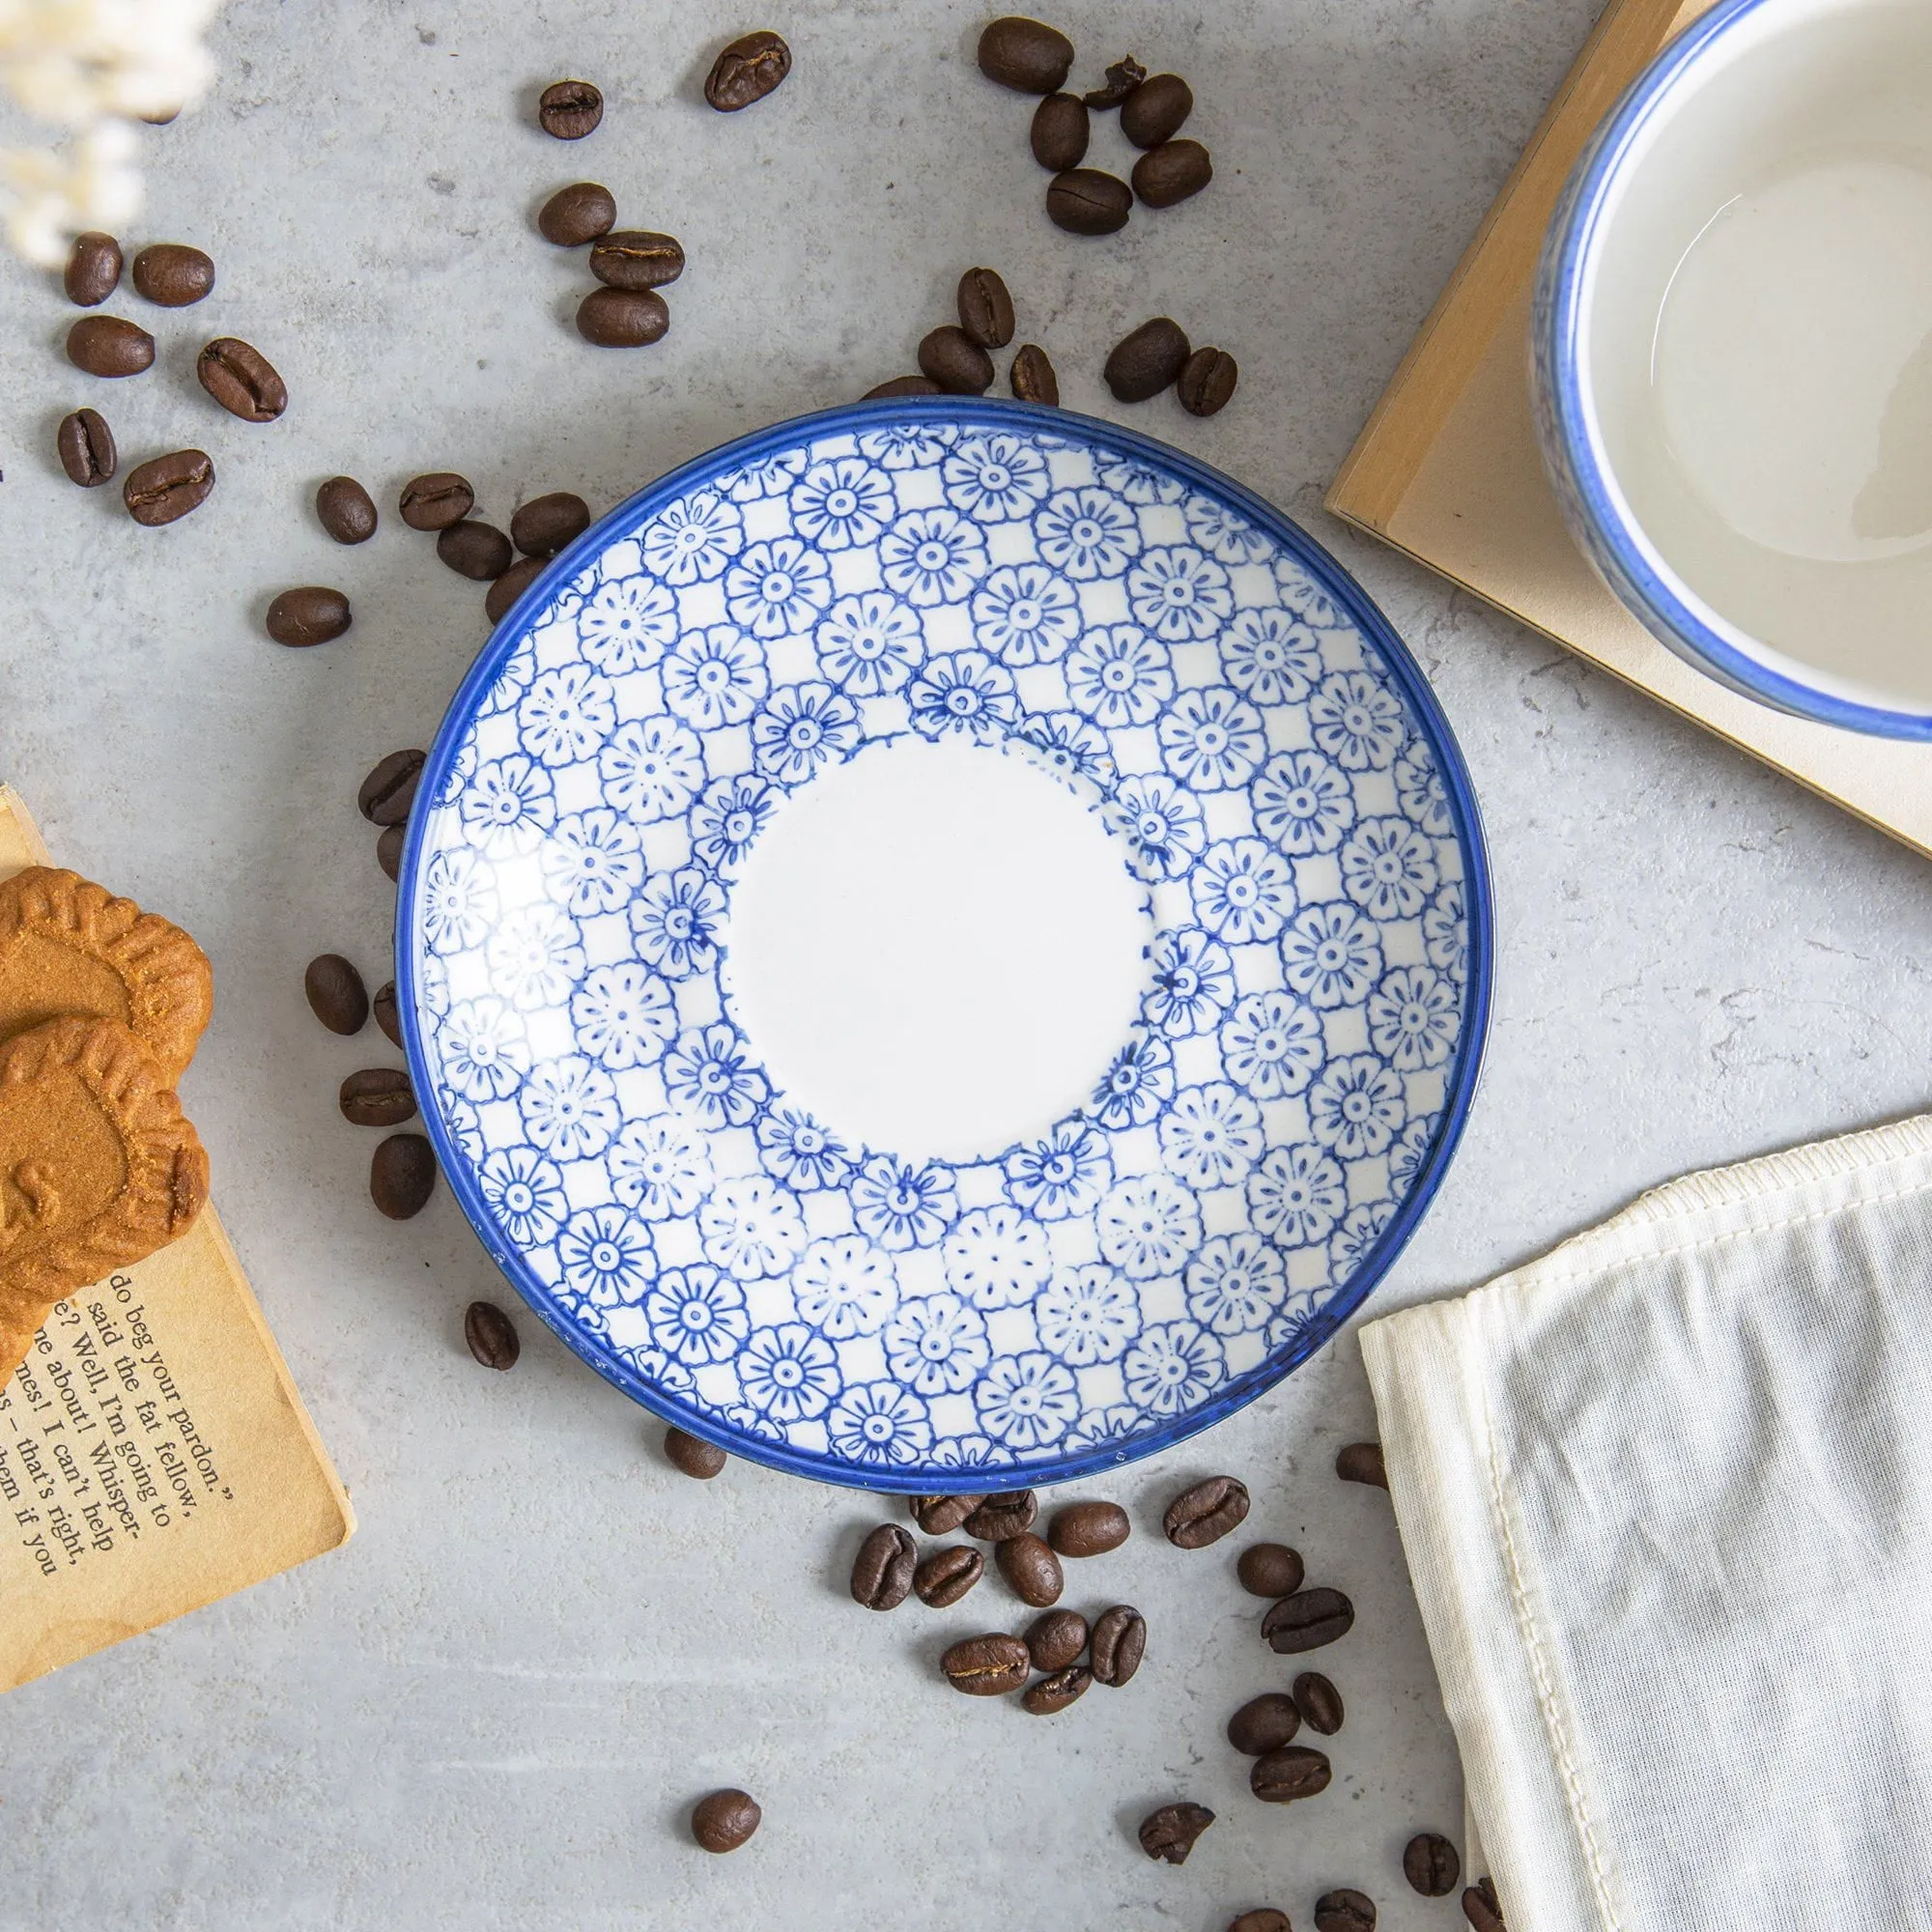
[[1263, 1918], [902, 386], [569, 109], [1283, 1776], [1055, 1693], [170, 275], [1061, 131], [986, 1667], [384, 1006], [622, 318], [1345, 1911], [385, 795], [345, 510], [311, 614], [1430, 1864], [1263, 1725], [167, 488], [1145, 362], [86, 448], [1319, 1702], [578, 213], [1088, 1530], [637, 258], [390, 843], [511, 586], [545, 525], [1482, 1908], [726, 1820], [1172, 173], [1307, 1621], [435, 501], [1024, 54], [242, 379], [402, 1176], [474, 550], [1122, 77], [92, 268], [1055, 1639], [941, 1515], [1170, 1833], [1008, 1514], [335, 993], [691, 1455], [1153, 112], [947, 1574], [747, 71], [1207, 383], [986, 309], [110, 345], [491, 1334], [882, 1572], [1030, 1569], [378, 1096], [1206, 1513], [1270, 1570], [1362, 1463], [1033, 378], [1118, 1643], [1084, 201], [955, 362]]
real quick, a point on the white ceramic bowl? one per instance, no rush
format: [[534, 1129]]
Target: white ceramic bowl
[[1732, 354]]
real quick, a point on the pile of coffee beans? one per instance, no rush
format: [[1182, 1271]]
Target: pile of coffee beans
[[439, 502], [954, 359], [633, 264]]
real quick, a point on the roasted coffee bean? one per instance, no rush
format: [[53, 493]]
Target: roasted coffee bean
[[1061, 131], [1362, 1463], [378, 1096], [92, 268], [543, 525], [402, 1176], [86, 448], [1025, 55], [1308, 1620], [747, 71], [335, 993], [726, 1820], [384, 1006], [110, 345], [1153, 112], [1482, 1908], [986, 1667], [167, 488], [1033, 378], [491, 1334], [691, 1455], [435, 501], [511, 586], [1088, 1530], [170, 275], [345, 510], [622, 318], [1263, 1725], [385, 795], [637, 258], [1146, 361], [986, 309], [1207, 383], [1283, 1776], [882, 1572], [1055, 1639], [1263, 1918], [1172, 173], [1118, 1644], [1430, 1864], [242, 379], [311, 614], [1206, 1513], [947, 1574], [390, 842], [474, 550], [1270, 1570], [1170, 1833], [578, 213], [569, 109], [1053, 1693], [955, 362], [1319, 1702], [1345, 1911], [902, 386], [1084, 201], [941, 1515], [1030, 1569], [1008, 1514], [1122, 77]]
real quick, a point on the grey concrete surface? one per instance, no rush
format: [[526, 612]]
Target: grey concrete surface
[[493, 1707]]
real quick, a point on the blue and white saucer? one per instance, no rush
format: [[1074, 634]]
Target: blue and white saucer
[[1272, 771]]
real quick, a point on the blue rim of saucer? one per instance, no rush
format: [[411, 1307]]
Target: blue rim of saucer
[[516, 625], [1571, 434]]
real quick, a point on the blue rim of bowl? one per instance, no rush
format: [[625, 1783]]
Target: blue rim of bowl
[[516, 625], [1605, 528]]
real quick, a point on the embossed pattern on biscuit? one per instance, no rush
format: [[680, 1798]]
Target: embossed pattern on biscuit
[[68, 947]]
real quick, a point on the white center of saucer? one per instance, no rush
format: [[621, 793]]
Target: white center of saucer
[[937, 950]]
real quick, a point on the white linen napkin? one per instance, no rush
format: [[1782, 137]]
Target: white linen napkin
[[1666, 1498]]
